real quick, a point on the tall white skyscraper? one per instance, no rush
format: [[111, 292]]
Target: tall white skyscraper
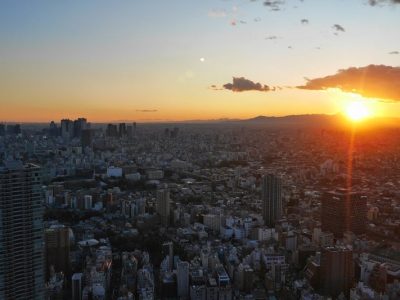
[[272, 199], [163, 205], [21, 232], [183, 279]]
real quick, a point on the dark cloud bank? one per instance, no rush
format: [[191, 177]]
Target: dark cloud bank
[[241, 84]]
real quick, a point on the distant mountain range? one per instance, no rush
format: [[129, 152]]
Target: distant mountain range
[[308, 120], [317, 120]]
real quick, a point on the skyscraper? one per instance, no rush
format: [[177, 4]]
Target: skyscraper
[[57, 249], [182, 276], [168, 251], [77, 279], [21, 232], [343, 211], [163, 207], [332, 271], [67, 129], [337, 271], [272, 199]]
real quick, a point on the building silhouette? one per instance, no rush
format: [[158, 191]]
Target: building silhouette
[[337, 271], [343, 211], [57, 250]]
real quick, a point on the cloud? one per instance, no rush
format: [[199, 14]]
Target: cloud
[[394, 52], [241, 84], [217, 13], [274, 5], [304, 21], [382, 2], [373, 81], [147, 110], [215, 88], [338, 27]]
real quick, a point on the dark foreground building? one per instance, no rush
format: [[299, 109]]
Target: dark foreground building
[[21, 232], [343, 211]]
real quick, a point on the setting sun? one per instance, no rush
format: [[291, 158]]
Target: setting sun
[[357, 111]]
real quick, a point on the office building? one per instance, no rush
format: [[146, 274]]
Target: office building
[[112, 130], [21, 232], [337, 271], [271, 194], [79, 125], [57, 245], [343, 211], [67, 129], [122, 131]]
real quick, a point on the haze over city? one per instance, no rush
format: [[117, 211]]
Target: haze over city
[[200, 150]]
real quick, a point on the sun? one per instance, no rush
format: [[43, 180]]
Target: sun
[[357, 111]]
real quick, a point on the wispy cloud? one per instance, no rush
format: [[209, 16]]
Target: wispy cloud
[[274, 5], [217, 13], [338, 27], [271, 37], [304, 21], [382, 2], [147, 110]]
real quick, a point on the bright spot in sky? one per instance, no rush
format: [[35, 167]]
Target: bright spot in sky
[[357, 111], [202, 59]]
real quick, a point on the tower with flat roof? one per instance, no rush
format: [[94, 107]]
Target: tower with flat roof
[[21, 232]]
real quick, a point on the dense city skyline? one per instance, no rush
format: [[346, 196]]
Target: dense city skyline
[[183, 60], [200, 150]]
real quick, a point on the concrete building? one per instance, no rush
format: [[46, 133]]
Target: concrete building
[[342, 211], [21, 232]]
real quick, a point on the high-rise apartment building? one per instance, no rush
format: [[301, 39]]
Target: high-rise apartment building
[[21, 232], [343, 211], [271, 193], [163, 205]]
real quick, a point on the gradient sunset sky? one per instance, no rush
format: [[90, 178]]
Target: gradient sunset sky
[[175, 60]]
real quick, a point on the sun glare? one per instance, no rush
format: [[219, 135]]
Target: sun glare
[[357, 111]]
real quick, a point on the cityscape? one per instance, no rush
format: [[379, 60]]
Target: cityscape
[[132, 167]]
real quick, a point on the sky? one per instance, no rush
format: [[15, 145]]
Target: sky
[[158, 60]]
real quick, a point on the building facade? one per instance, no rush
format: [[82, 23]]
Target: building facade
[[271, 193], [21, 232]]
